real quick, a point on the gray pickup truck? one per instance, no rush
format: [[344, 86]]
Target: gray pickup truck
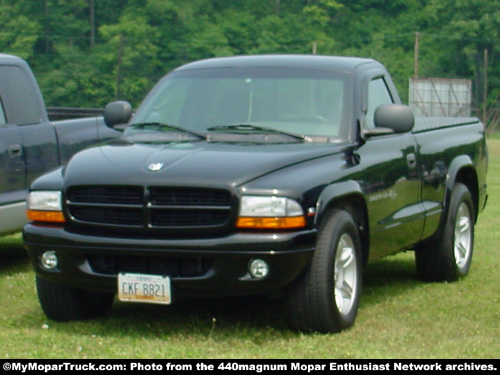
[[30, 144]]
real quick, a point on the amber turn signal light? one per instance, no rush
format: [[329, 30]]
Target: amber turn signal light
[[46, 216], [271, 222]]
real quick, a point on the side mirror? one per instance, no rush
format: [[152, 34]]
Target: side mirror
[[397, 117], [117, 113]]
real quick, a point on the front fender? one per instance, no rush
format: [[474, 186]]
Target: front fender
[[53, 180], [347, 195], [335, 193]]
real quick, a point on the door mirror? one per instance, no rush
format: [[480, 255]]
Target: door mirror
[[397, 117], [117, 113]]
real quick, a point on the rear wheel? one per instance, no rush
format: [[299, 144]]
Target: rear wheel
[[326, 298], [61, 303], [449, 257]]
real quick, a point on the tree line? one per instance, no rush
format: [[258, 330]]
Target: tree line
[[86, 53]]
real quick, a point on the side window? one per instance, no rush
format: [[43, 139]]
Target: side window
[[22, 104], [378, 94], [2, 114]]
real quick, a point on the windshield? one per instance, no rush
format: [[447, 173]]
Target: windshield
[[302, 102]]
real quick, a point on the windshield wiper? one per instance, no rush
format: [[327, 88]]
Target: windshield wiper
[[251, 128], [162, 127]]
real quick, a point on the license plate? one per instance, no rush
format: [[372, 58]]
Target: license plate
[[144, 288]]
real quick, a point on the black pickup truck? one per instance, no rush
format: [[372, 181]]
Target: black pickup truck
[[258, 174], [30, 145]]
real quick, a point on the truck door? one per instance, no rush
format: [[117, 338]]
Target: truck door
[[12, 168], [25, 108], [12, 175], [28, 144], [390, 181]]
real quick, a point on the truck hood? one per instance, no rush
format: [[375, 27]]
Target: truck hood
[[187, 164]]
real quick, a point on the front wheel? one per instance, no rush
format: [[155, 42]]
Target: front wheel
[[62, 303], [449, 257], [326, 298]]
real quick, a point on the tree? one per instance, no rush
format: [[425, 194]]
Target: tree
[[128, 45], [18, 32], [131, 48]]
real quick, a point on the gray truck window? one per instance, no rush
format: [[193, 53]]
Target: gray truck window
[[2, 114], [20, 88], [378, 94]]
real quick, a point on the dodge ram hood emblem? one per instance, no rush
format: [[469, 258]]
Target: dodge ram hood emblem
[[155, 167]]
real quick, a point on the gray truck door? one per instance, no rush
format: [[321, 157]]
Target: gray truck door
[[12, 175], [25, 108], [12, 167], [28, 145]]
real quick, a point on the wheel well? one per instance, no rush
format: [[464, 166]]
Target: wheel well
[[468, 177], [355, 205]]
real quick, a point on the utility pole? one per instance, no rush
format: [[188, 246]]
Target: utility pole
[[485, 87], [415, 59], [46, 26], [92, 22], [119, 67]]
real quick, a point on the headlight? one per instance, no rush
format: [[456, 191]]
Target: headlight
[[45, 206], [270, 213]]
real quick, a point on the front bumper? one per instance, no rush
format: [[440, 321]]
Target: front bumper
[[197, 267]]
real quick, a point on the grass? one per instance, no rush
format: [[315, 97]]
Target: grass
[[495, 135], [399, 316]]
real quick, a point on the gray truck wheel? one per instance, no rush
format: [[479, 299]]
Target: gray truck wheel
[[61, 303], [449, 257], [326, 298]]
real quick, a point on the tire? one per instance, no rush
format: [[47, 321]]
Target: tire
[[449, 257], [62, 304], [326, 298]]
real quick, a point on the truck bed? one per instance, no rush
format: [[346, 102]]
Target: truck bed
[[423, 124]]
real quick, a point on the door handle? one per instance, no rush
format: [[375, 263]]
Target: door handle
[[411, 159], [15, 151]]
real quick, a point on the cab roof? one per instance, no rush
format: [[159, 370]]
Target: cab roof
[[335, 63]]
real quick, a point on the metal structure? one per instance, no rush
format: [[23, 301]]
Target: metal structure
[[440, 97]]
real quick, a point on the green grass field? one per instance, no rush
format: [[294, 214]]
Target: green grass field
[[399, 316]]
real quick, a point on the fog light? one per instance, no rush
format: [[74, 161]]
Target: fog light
[[258, 268], [49, 260]]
